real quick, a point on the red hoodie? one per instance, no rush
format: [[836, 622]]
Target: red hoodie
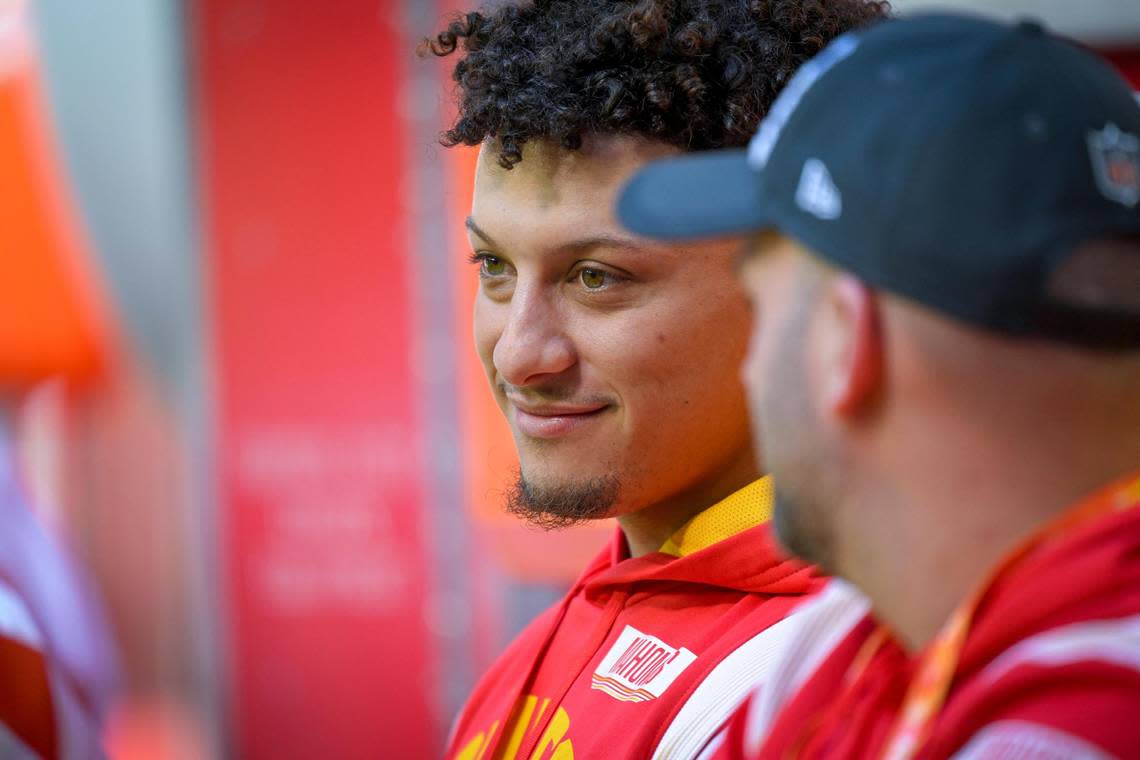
[[646, 656], [1049, 669]]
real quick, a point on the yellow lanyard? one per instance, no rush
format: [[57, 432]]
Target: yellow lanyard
[[930, 685]]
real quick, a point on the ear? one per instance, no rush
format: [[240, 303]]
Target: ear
[[853, 362]]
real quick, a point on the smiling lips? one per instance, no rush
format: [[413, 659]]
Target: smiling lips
[[553, 421]]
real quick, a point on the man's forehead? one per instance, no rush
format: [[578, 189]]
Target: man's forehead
[[558, 201], [557, 235], [768, 242], [538, 178], [540, 219], [551, 198], [763, 250], [550, 174]]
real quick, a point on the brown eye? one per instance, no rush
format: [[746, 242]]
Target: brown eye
[[592, 278]]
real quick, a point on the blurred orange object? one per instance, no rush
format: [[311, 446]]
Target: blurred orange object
[[52, 320]]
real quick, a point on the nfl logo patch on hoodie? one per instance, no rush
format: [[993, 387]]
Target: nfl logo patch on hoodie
[[640, 667]]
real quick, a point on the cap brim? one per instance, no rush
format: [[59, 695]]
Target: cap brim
[[700, 195]]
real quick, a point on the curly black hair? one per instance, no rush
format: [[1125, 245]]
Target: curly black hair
[[697, 74]]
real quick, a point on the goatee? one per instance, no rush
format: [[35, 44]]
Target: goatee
[[563, 505]]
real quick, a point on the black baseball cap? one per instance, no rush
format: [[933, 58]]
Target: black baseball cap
[[949, 159]]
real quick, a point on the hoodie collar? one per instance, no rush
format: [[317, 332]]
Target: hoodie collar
[[736, 513], [727, 546]]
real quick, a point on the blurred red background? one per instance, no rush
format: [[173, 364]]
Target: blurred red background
[[287, 478]]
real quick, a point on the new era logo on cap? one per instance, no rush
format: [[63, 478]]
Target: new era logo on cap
[[817, 193]]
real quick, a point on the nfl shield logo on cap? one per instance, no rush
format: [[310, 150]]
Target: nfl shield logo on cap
[[1116, 164]]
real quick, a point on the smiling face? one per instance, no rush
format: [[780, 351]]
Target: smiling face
[[615, 360]]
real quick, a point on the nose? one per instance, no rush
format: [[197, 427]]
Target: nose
[[533, 345]]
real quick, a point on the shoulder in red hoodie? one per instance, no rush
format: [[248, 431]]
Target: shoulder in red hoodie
[[1049, 670], [644, 657]]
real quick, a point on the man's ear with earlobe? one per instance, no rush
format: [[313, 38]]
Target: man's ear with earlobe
[[853, 364]]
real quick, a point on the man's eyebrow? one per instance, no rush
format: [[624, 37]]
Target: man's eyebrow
[[470, 224], [605, 241], [580, 244]]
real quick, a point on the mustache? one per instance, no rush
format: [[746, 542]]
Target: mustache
[[552, 394]]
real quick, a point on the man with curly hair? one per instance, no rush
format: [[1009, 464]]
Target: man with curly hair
[[615, 361]]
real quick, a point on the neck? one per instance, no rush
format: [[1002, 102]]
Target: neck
[[648, 528], [645, 534], [950, 526], [981, 441]]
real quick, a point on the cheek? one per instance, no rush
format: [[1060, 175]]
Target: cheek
[[702, 336], [687, 360], [488, 326], [750, 369]]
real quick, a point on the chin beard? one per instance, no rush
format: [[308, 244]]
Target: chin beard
[[561, 506]]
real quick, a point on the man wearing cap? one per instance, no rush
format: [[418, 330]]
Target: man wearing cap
[[945, 366]]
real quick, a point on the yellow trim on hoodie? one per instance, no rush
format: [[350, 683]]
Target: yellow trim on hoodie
[[744, 509]]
